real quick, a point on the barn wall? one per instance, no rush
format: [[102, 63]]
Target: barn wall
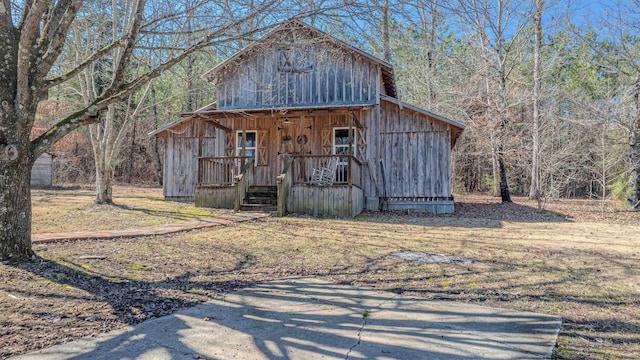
[[183, 146], [303, 72], [415, 151], [42, 172]]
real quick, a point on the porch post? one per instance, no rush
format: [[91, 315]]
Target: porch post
[[244, 140], [201, 125], [351, 153]]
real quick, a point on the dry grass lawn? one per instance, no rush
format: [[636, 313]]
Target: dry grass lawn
[[73, 210], [567, 261]]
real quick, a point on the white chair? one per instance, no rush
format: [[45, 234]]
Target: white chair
[[324, 176]]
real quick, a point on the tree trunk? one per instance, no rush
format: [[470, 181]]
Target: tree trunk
[[633, 199], [156, 150], [386, 36], [131, 153], [495, 174], [534, 190], [104, 186], [15, 209], [504, 186], [15, 153]]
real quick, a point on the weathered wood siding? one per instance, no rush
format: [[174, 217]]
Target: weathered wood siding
[[183, 146], [218, 197], [290, 70], [42, 172], [301, 135], [326, 201], [415, 153]]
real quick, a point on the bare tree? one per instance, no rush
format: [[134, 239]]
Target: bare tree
[[497, 31], [32, 39], [534, 190]]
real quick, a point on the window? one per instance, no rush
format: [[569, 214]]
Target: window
[[341, 142], [251, 145]]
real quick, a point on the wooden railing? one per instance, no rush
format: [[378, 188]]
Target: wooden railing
[[284, 181], [220, 170], [242, 183], [348, 170]]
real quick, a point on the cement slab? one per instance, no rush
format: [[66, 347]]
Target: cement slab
[[311, 319]]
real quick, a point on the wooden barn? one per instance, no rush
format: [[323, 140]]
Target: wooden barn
[[308, 124], [42, 171]]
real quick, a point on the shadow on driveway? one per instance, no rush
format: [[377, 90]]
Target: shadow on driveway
[[306, 318]]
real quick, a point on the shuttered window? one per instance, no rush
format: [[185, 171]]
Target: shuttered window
[[251, 144]]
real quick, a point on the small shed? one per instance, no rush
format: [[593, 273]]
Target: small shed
[[42, 171], [311, 125]]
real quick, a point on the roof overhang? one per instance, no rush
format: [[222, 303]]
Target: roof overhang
[[214, 115]]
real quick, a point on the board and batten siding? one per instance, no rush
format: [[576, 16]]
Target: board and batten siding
[[415, 153], [183, 146], [298, 75], [326, 201], [42, 171], [308, 135]]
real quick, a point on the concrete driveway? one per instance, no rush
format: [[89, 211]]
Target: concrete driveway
[[309, 319]]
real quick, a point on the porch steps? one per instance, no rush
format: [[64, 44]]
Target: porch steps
[[261, 198]]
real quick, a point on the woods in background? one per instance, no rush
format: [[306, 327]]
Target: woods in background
[[549, 93]]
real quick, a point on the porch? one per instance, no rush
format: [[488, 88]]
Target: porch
[[317, 185]]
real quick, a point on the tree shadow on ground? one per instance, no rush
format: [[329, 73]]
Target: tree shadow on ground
[[469, 215], [308, 319]]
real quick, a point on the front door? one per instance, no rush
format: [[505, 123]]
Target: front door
[[294, 137]]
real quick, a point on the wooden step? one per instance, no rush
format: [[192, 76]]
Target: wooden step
[[265, 200], [266, 189], [261, 194], [259, 208]]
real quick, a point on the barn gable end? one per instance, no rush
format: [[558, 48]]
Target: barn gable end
[[298, 66]]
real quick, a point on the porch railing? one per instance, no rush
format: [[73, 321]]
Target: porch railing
[[220, 170], [348, 170], [284, 182], [242, 183]]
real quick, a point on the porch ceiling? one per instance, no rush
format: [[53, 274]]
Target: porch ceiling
[[279, 112], [214, 115]]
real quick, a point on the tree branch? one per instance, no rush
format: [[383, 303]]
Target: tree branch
[[53, 36], [28, 35], [86, 62], [116, 92], [25, 10], [129, 42]]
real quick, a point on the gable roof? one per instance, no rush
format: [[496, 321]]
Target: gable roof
[[295, 24]]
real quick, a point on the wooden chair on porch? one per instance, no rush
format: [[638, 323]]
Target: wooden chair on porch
[[324, 176]]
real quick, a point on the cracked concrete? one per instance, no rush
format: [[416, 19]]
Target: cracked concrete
[[364, 322], [312, 319]]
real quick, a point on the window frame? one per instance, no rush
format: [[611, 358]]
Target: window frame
[[239, 146], [334, 146]]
